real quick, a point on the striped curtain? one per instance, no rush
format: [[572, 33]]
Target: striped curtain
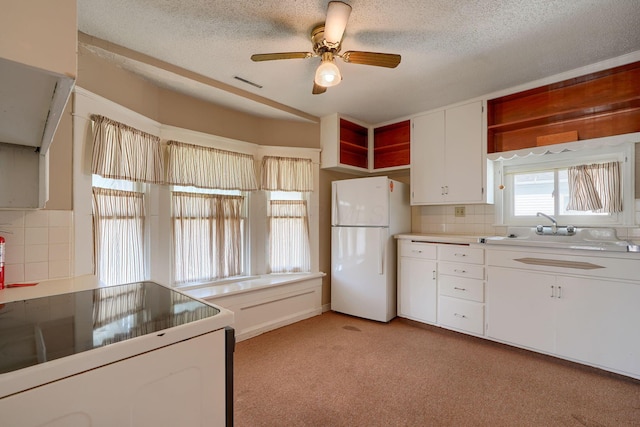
[[123, 152], [287, 174], [205, 167], [207, 236], [288, 237], [595, 188], [118, 219]]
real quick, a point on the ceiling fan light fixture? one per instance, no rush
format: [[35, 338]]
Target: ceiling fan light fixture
[[327, 73], [337, 16]]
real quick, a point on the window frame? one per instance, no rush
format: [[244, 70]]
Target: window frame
[[623, 153], [137, 187], [245, 231], [284, 195]]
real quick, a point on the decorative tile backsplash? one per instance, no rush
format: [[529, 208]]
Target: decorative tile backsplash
[[38, 244], [479, 221]]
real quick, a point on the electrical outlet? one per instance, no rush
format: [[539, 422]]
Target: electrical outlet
[[459, 211]]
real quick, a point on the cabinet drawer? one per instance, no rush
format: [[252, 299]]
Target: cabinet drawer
[[461, 287], [460, 314], [460, 253], [471, 271], [413, 249]]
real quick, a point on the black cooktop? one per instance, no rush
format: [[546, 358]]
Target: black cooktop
[[41, 329]]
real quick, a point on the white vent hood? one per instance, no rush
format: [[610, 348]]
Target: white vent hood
[[38, 68], [31, 104]]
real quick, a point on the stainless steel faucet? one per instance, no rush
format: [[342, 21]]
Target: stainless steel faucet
[[554, 222]]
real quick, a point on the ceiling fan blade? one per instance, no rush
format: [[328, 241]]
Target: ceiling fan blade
[[317, 89], [337, 17], [283, 55], [389, 60]]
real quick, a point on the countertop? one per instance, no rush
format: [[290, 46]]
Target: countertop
[[46, 288]]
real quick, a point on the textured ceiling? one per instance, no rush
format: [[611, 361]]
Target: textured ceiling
[[451, 50]]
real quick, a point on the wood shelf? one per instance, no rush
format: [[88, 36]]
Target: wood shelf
[[354, 144], [391, 145], [599, 104]]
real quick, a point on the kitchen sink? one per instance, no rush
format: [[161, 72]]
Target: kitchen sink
[[593, 239]]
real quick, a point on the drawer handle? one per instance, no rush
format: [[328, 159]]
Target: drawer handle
[[462, 316], [459, 289], [416, 251], [457, 254], [460, 271]]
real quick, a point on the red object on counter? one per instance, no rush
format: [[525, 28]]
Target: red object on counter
[[19, 285]]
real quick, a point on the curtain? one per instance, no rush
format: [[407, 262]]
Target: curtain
[[287, 174], [119, 235], [122, 152], [207, 234], [204, 167], [595, 187], [288, 237]]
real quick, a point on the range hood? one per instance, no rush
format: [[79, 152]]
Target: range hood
[[32, 101]]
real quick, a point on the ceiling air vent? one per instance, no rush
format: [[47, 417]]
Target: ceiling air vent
[[248, 82]]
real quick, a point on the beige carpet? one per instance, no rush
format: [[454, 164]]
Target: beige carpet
[[337, 370]]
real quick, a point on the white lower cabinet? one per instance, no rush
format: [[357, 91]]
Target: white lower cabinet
[[461, 288], [182, 384], [521, 309], [589, 320], [417, 291]]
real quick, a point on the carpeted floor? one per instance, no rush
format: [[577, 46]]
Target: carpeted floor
[[337, 370]]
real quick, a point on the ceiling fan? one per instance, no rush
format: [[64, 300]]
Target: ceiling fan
[[327, 42]]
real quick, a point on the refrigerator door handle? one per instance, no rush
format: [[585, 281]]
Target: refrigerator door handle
[[381, 241], [334, 205]]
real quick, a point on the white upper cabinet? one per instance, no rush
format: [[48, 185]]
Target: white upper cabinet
[[355, 147], [448, 156]]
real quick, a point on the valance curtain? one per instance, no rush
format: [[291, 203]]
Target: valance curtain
[[207, 231], [287, 174], [595, 187], [288, 237], [205, 167], [119, 235], [123, 152]]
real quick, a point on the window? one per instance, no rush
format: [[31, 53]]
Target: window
[[119, 231], [208, 234], [543, 185], [288, 228]]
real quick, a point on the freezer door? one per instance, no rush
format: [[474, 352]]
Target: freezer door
[[359, 277], [361, 202]]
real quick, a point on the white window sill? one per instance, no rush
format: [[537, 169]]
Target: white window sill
[[246, 284]]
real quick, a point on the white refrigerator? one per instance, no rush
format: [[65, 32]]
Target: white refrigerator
[[365, 215]]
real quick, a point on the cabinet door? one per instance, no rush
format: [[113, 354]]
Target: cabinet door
[[427, 157], [521, 308], [597, 323], [178, 385], [463, 154], [417, 292]]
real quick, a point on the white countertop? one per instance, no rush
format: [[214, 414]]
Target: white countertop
[[47, 288], [439, 238]]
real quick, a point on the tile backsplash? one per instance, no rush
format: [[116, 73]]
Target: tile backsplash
[[38, 244], [479, 221]]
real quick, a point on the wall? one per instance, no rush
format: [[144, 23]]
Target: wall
[[38, 244], [479, 221]]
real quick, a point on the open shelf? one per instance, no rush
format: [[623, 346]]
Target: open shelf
[[391, 145], [354, 142], [599, 104]]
